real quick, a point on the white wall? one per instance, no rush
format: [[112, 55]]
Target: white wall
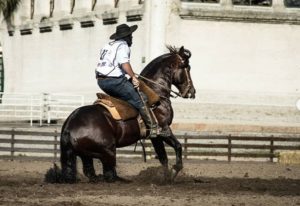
[[236, 57]]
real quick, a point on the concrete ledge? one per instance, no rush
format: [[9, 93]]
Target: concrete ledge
[[239, 14], [237, 129]]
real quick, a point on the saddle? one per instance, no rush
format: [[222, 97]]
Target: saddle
[[120, 109]]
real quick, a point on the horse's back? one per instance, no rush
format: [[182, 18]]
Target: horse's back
[[92, 128]]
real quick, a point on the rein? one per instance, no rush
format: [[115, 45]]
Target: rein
[[170, 90]]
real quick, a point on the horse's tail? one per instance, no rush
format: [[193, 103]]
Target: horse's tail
[[54, 175], [67, 173]]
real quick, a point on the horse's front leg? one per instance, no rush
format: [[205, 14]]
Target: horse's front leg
[[173, 142], [159, 148]]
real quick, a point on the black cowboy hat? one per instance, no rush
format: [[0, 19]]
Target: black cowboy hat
[[123, 30]]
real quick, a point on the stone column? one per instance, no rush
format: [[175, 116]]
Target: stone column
[[155, 27], [82, 6], [62, 8], [278, 5], [227, 4], [41, 9], [25, 10]]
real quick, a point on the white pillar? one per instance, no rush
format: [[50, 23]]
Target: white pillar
[[62, 8], [25, 10], [155, 27], [82, 6], [104, 5], [41, 8], [278, 5], [226, 4]]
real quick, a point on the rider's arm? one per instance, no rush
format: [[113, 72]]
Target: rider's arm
[[128, 69]]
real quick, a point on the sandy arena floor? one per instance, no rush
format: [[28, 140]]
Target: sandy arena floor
[[200, 183]]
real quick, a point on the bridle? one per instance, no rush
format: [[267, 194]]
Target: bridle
[[162, 86], [177, 94], [189, 82]]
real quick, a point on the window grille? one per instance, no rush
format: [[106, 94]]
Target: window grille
[[252, 2], [202, 1], [292, 3]]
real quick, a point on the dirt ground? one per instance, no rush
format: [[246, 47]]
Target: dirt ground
[[200, 183]]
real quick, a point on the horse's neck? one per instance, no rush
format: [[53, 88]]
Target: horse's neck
[[162, 87], [161, 82], [160, 77]]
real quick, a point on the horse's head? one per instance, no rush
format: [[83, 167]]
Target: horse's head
[[181, 77]]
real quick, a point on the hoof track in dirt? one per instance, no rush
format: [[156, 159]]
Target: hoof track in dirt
[[156, 175], [199, 183]]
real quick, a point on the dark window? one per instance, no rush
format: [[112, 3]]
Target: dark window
[[1, 74], [252, 2], [292, 3], [202, 1]]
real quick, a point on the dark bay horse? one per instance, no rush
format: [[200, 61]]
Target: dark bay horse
[[91, 132]]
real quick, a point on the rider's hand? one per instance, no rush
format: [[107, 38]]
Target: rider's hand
[[135, 82]]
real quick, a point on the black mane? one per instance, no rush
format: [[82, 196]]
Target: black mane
[[164, 60]]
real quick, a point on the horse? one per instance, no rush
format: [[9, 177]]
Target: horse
[[90, 132]]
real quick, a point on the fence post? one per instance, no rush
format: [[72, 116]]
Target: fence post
[[12, 145], [144, 151], [45, 103], [272, 148], [31, 110], [185, 145], [229, 148], [55, 145]]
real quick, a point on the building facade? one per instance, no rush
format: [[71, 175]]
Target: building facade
[[243, 51]]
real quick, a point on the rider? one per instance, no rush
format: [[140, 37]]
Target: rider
[[113, 64]]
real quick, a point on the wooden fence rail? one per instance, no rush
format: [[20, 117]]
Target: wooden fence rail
[[21, 144]]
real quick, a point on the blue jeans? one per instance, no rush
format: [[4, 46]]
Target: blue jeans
[[121, 88]]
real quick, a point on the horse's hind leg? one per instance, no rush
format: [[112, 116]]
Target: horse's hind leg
[[108, 159], [88, 168], [67, 159], [109, 173]]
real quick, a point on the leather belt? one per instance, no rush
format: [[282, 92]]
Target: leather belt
[[107, 77]]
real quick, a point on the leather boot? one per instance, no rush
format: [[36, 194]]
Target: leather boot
[[152, 125], [149, 122]]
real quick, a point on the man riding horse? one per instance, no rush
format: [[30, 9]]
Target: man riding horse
[[113, 64], [92, 131]]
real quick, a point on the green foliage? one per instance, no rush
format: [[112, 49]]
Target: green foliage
[[8, 7]]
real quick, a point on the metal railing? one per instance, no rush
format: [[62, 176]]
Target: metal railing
[[20, 106], [40, 145], [59, 106], [37, 107]]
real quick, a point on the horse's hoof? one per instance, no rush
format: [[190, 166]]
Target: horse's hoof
[[120, 179], [177, 167], [96, 179], [117, 179], [174, 174]]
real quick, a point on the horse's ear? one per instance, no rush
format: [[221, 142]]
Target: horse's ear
[[181, 51]]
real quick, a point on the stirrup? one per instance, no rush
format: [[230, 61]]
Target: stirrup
[[163, 133], [158, 131], [153, 132]]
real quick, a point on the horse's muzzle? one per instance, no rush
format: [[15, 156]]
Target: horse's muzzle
[[191, 94]]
